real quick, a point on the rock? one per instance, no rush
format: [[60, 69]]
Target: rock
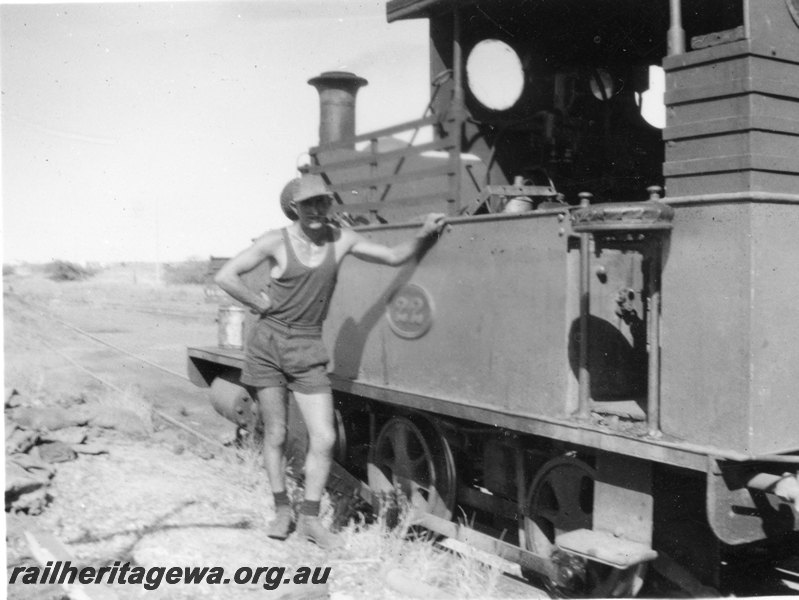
[[19, 481], [68, 435], [32, 503], [26, 481], [91, 448], [47, 419], [35, 467], [13, 399], [55, 452], [19, 439]]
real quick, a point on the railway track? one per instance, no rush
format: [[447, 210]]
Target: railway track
[[346, 490], [45, 312], [156, 311]]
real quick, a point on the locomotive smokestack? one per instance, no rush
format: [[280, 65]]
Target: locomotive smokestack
[[337, 91]]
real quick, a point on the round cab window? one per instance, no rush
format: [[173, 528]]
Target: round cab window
[[495, 74]]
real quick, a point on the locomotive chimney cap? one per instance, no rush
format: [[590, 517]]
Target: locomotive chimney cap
[[340, 77], [310, 185]]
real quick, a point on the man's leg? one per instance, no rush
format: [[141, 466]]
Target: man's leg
[[272, 402], [317, 412]]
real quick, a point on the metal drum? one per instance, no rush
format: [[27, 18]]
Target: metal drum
[[230, 320]]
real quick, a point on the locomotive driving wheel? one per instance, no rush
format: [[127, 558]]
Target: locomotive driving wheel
[[560, 499], [414, 457]]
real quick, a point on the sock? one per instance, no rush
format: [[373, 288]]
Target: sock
[[281, 499], [310, 508]]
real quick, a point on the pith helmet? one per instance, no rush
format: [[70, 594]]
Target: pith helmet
[[310, 186], [286, 196]]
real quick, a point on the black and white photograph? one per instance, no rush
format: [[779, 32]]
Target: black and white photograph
[[388, 299]]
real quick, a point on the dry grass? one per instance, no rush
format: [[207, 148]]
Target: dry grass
[[383, 556], [248, 461], [409, 561]]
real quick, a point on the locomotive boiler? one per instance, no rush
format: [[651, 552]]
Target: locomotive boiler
[[596, 363]]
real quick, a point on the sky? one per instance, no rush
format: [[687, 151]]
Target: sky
[[163, 131]]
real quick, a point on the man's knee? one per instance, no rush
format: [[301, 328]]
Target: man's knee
[[275, 434], [323, 441]]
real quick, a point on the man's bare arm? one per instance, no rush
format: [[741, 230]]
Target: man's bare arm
[[401, 253], [229, 276]]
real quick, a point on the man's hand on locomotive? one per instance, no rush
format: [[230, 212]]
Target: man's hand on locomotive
[[432, 225]]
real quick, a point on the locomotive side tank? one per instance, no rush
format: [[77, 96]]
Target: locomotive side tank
[[599, 371]]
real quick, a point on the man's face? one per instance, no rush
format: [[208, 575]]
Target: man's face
[[313, 211]]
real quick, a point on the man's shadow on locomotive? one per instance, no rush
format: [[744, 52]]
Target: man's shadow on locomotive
[[617, 369], [350, 342]]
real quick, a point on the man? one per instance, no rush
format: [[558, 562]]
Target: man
[[284, 349]]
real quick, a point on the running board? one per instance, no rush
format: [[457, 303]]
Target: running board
[[605, 548], [345, 483], [492, 560], [525, 559]]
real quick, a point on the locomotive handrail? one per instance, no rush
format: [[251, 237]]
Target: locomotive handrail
[[439, 171], [365, 207], [560, 212], [375, 161], [364, 137], [781, 198], [368, 158]]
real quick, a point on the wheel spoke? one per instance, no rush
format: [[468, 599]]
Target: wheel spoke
[[399, 441], [550, 515], [420, 468], [378, 481], [417, 459], [567, 488]]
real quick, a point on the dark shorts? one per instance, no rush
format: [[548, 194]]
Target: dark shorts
[[277, 355]]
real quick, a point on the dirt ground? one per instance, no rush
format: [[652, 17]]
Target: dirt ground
[[125, 487]]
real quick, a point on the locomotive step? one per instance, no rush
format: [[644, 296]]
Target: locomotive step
[[605, 548]]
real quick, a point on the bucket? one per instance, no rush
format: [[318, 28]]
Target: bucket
[[230, 320], [519, 204]]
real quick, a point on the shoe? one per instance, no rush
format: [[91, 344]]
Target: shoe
[[311, 529], [280, 527]]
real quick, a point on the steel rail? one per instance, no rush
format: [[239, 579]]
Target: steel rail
[[44, 311], [155, 411]]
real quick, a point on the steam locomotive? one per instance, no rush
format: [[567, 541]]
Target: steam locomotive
[[599, 375]]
